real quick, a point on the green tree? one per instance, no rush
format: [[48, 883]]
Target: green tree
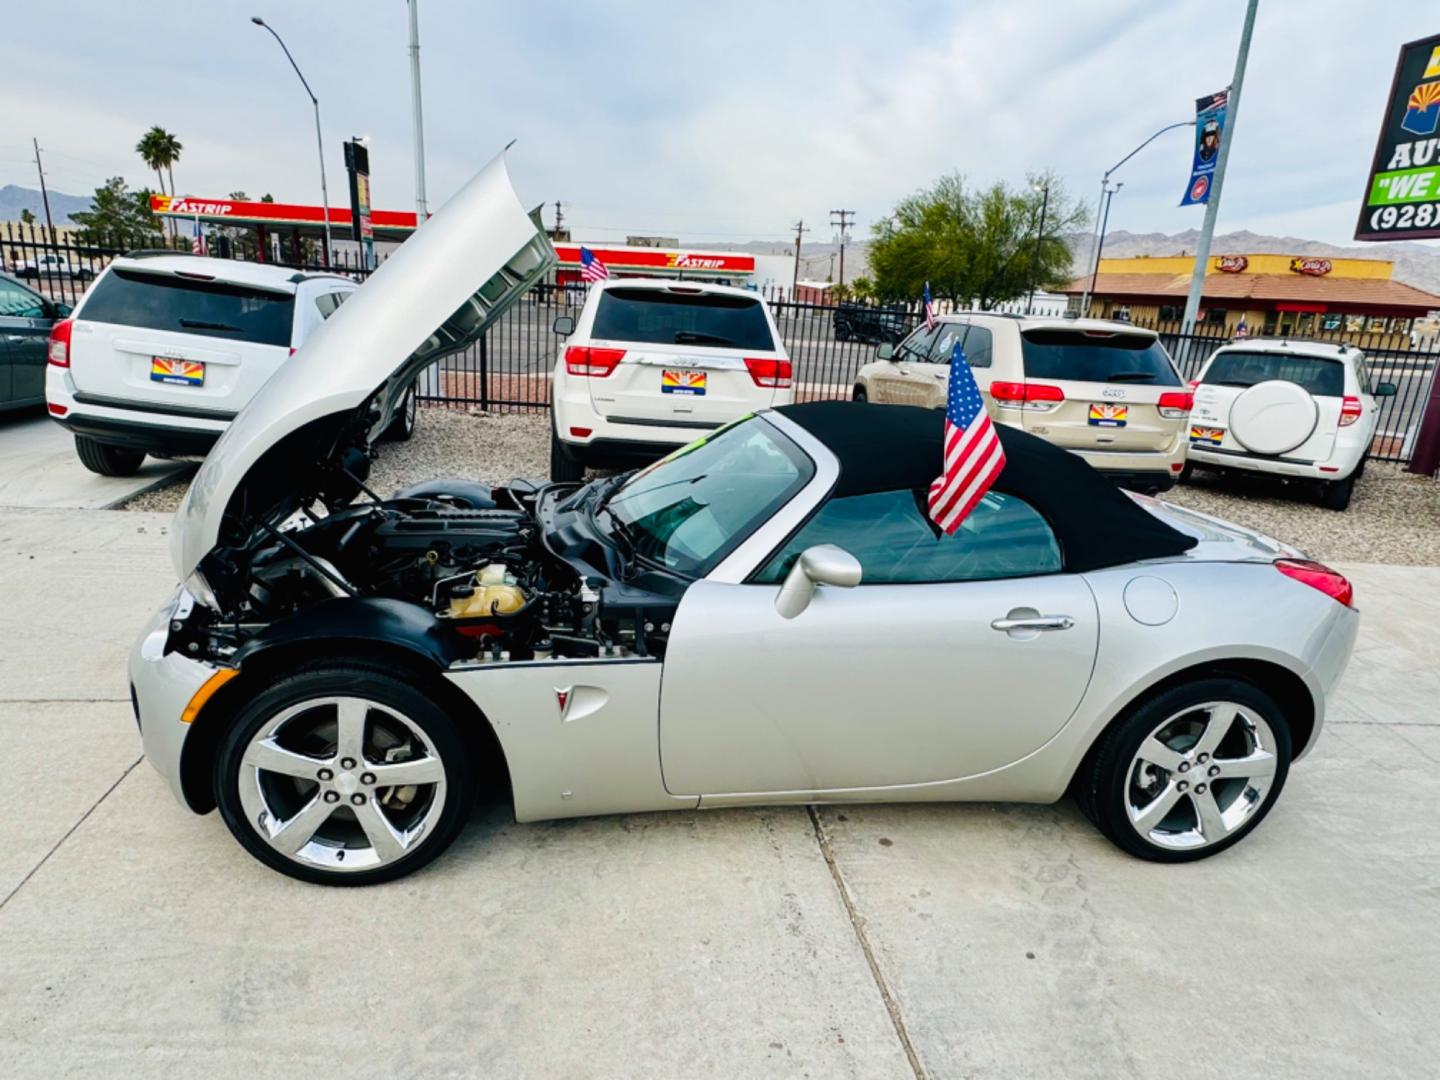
[[862, 288], [117, 216], [27, 217], [980, 246]]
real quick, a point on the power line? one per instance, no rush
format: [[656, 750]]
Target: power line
[[845, 218]]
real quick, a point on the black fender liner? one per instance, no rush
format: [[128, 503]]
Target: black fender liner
[[363, 618]]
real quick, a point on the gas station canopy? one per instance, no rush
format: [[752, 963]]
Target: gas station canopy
[[284, 217]]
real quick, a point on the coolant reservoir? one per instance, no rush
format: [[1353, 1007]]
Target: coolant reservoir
[[495, 594]]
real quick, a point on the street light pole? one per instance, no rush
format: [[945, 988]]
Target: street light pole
[[1105, 197], [1212, 205], [422, 210], [1039, 237], [319, 142], [1098, 240]]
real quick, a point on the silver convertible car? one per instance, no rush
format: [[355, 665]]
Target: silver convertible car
[[765, 616]]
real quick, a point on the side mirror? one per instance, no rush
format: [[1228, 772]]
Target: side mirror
[[564, 325], [1385, 389], [824, 564], [885, 351]]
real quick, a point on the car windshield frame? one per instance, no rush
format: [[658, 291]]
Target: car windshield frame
[[637, 525], [621, 316], [1065, 353]]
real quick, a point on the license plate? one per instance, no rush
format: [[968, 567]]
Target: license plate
[[1104, 414], [685, 383], [177, 372], [1207, 436]]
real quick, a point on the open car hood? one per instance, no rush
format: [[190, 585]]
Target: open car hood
[[315, 418]]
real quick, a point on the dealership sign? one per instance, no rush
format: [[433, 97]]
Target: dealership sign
[[1402, 197]]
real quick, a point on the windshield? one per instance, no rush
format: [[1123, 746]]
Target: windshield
[[659, 317], [691, 509], [1097, 357], [1323, 378], [211, 308]]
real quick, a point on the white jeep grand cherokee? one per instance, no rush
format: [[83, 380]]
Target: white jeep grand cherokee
[[650, 365], [1298, 409]]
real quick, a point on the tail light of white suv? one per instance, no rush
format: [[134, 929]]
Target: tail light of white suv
[[58, 352], [771, 374], [1350, 411]]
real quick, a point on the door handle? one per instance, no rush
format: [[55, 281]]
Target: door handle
[[1034, 622]]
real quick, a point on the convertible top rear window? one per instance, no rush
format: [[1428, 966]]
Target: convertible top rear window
[[701, 319]]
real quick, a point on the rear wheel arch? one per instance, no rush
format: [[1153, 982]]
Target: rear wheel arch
[[1282, 684], [262, 668]]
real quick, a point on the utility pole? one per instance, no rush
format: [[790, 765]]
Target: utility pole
[[417, 122], [559, 219], [800, 231], [842, 219], [44, 194], [1212, 206], [1105, 196]]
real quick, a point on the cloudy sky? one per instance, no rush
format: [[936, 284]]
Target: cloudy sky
[[717, 121]]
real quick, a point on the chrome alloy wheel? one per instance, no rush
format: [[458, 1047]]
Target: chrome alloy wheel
[[341, 783], [1200, 775]]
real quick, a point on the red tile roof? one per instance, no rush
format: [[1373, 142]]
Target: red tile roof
[[1367, 293]]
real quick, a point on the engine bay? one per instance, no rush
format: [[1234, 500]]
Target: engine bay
[[515, 573]]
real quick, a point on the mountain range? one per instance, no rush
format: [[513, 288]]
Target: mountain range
[[14, 198]]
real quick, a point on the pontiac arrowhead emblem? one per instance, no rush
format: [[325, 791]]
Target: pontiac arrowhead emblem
[[562, 699]]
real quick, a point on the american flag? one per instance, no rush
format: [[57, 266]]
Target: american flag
[[1242, 330], [197, 241], [591, 268], [973, 456], [929, 309]]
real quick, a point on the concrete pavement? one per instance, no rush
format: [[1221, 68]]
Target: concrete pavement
[[987, 941], [38, 468]]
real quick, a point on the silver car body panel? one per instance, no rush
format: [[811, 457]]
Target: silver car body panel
[[434, 295], [163, 684]]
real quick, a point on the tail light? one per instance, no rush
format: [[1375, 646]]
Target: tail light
[[1332, 583], [57, 410], [1350, 410], [769, 373], [595, 363], [1194, 385], [59, 352], [1176, 404], [1027, 395]]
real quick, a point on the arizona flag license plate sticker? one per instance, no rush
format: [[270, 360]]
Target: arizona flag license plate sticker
[[686, 383], [1104, 414], [1206, 436], [177, 372]]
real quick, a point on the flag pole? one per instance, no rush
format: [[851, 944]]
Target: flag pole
[[1212, 205]]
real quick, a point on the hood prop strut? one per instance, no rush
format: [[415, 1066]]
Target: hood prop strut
[[306, 557]]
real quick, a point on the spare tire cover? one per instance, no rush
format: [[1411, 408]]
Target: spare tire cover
[[1273, 417]]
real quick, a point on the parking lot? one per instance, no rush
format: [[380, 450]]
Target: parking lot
[[966, 940]]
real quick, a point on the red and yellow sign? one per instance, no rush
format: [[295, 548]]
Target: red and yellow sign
[[250, 212], [661, 260]]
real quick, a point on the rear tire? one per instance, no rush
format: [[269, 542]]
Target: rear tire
[[1336, 494], [1187, 472], [564, 469], [861, 396], [1167, 731], [108, 460], [262, 775]]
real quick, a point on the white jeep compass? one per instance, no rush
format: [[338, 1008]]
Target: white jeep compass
[[649, 365]]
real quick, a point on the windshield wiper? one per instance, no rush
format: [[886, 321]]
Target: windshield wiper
[[1130, 376], [201, 324], [694, 337]]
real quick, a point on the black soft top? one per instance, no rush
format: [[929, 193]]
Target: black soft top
[[898, 447]]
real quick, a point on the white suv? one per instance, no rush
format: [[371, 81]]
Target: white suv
[[649, 365], [164, 350], [1296, 409]]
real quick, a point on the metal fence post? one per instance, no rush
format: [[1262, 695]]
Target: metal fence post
[[485, 372]]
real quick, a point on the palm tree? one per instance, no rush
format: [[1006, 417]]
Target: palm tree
[[160, 150], [170, 147]]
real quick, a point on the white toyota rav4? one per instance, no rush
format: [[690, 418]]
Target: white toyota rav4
[[1298, 409], [164, 350], [649, 365]]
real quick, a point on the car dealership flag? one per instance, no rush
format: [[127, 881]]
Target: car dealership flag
[[591, 268], [973, 456], [929, 309], [197, 241]]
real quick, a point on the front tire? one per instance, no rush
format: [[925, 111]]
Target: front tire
[[1336, 494], [108, 460], [402, 426], [1190, 772], [344, 774]]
